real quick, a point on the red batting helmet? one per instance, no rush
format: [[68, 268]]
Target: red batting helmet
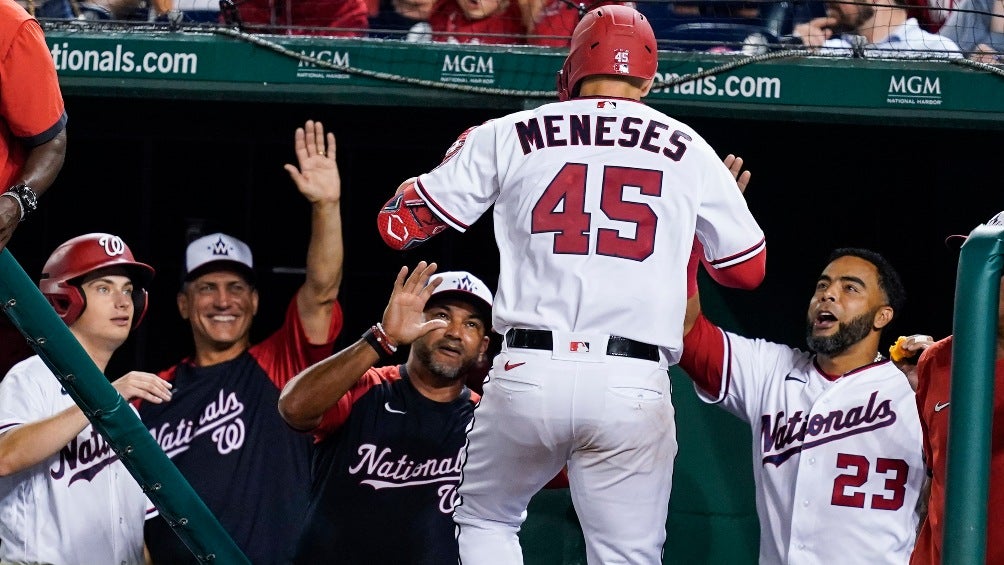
[[85, 254], [610, 40]]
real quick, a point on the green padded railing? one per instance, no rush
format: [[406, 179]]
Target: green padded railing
[[112, 417], [972, 397]]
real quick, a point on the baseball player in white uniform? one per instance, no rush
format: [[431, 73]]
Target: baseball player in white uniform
[[64, 495], [597, 199], [837, 453]]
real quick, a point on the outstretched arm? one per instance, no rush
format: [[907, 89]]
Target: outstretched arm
[[703, 342], [750, 272], [306, 398], [32, 443], [318, 179]]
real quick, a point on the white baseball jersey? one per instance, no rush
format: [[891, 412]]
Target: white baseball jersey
[[596, 204], [80, 505], [838, 464]]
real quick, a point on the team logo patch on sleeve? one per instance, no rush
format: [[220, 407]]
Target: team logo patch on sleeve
[[457, 144]]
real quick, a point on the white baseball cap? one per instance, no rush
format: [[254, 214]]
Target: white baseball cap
[[217, 252], [465, 286]]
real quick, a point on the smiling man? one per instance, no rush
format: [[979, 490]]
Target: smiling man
[[389, 438], [836, 434], [222, 429]]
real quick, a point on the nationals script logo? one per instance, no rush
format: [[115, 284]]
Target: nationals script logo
[[83, 459], [783, 437], [220, 419], [381, 469]]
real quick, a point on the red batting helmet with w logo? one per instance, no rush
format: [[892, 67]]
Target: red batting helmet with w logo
[[85, 254]]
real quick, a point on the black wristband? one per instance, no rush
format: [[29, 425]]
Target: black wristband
[[371, 338]]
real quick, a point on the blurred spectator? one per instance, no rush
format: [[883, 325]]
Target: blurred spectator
[[188, 11], [118, 10], [873, 29], [341, 18], [978, 28], [488, 22], [395, 17], [48, 9], [550, 23]]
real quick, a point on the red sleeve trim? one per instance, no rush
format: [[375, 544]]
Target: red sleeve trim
[[438, 209], [741, 256], [703, 356], [747, 274]]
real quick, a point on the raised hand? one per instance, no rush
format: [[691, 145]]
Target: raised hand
[[317, 177], [404, 318], [735, 166]]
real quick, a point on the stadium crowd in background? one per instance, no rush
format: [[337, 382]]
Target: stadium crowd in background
[[875, 29], [978, 28], [222, 429]]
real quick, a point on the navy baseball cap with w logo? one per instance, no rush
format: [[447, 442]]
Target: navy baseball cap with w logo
[[218, 252], [465, 286]]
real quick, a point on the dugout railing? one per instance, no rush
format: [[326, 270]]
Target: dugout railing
[[974, 349]]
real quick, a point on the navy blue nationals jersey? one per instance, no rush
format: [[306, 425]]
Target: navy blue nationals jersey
[[385, 473], [223, 431]]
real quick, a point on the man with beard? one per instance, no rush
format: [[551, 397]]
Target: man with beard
[[873, 29], [837, 445], [389, 439]]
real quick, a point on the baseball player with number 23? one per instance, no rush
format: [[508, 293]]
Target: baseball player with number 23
[[597, 201], [836, 434]]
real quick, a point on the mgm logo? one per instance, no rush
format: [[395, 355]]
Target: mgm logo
[[468, 69], [914, 90], [309, 69]]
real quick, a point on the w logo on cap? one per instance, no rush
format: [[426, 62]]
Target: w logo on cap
[[465, 284], [113, 245], [221, 247]]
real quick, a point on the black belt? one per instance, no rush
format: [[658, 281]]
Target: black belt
[[616, 345]]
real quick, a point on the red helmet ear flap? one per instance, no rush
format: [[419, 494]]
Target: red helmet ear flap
[[66, 299], [563, 93], [140, 299]]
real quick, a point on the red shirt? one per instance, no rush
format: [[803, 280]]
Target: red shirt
[[350, 15], [933, 388], [31, 104], [557, 20], [450, 25]]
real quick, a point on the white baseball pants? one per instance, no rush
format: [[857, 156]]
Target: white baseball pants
[[609, 419]]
